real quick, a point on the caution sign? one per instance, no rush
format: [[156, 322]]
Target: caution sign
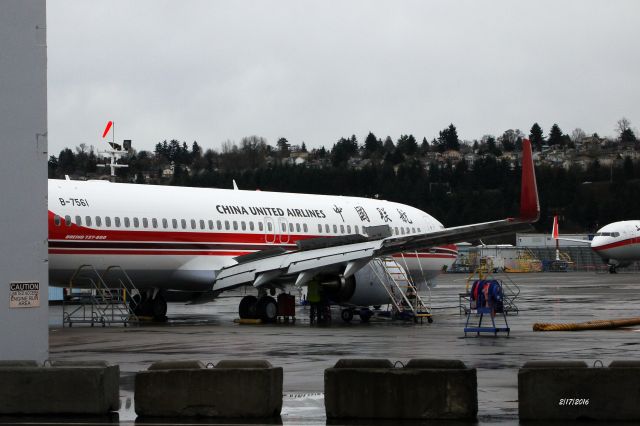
[[24, 294]]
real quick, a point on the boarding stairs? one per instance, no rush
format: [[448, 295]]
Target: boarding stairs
[[405, 300], [100, 298]]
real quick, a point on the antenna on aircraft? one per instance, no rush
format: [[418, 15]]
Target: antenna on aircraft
[[235, 186], [116, 150]]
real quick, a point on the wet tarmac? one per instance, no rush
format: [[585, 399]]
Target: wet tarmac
[[208, 333]]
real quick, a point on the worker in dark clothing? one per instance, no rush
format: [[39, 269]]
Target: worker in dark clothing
[[314, 298]]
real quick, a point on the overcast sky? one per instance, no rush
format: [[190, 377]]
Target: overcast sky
[[314, 71]]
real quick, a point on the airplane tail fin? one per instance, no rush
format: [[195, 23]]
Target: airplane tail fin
[[554, 233], [529, 203]]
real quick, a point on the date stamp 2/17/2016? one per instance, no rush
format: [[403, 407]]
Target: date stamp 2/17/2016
[[573, 401]]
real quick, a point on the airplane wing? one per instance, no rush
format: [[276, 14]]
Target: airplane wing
[[351, 254], [556, 235]]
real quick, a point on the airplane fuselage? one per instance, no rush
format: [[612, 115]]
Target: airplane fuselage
[[618, 243], [178, 238]]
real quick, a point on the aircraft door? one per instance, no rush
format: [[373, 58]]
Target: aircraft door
[[283, 232], [269, 230]]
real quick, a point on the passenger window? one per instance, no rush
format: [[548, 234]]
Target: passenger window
[[145, 222], [251, 226], [269, 226], [291, 228], [56, 220], [348, 229], [235, 225], [193, 224], [183, 223], [397, 232], [408, 230], [117, 221], [356, 230], [226, 225], [107, 221], [210, 224], [78, 220], [136, 222], [297, 227], [165, 223], [342, 229], [219, 225], [67, 220], [326, 228], [260, 226], [304, 227], [319, 228], [243, 225], [87, 220], [98, 221], [154, 222], [174, 222], [335, 229], [126, 222], [284, 227]]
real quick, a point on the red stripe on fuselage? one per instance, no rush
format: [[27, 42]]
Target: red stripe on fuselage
[[627, 242], [150, 252], [81, 237]]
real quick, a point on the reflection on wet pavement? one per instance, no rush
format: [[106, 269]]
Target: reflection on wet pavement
[[207, 333]]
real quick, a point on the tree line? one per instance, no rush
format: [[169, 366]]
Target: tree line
[[454, 191]]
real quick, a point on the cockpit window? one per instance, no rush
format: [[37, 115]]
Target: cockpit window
[[608, 234]]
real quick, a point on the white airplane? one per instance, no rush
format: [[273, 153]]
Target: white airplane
[[207, 241], [617, 243]]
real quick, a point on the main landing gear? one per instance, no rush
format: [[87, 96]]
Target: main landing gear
[[149, 304], [613, 269], [264, 308], [365, 314]]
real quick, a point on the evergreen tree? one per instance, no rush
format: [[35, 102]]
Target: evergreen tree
[[407, 145], [196, 151], [628, 136], [343, 150], [536, 137], [424, 146], [448, 139], [283, 146], [555, 136], [372, 145], [389, 146]]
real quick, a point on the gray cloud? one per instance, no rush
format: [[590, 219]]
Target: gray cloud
[[314, 71]]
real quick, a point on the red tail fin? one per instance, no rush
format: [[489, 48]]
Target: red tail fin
[[529, 204], [554, 233]]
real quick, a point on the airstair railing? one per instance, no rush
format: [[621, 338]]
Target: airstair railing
[[103, 304]]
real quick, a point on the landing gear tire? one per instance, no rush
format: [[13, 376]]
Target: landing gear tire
[[267, 309], [612, 269], [365, 315], [159, 308], [430, 320], [145, 307], [247, 307], [346, 315]]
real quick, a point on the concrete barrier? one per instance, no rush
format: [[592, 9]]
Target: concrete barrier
[[571, 391], [424, 389], [87, 388], [234, 388]]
